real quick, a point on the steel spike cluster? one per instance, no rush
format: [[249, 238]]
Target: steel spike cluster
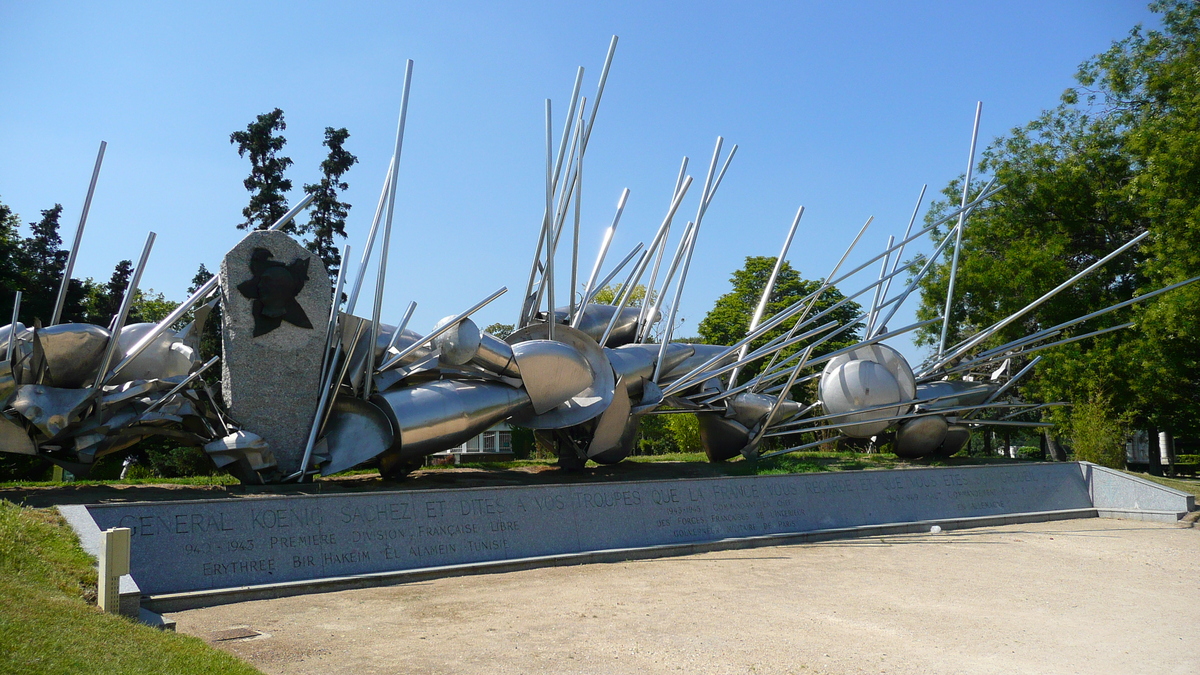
[[581, 374]]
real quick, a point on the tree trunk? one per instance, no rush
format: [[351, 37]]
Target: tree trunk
[[1153, 452], [1042, 447], [987, 442], [1008, 442], [1056, 451]]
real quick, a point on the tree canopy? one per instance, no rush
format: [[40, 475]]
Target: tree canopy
[[729, 319], [1117, 157]]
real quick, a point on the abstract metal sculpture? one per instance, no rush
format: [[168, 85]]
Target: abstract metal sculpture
[[581, 375]]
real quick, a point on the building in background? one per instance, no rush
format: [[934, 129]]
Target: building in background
[[493, 445]]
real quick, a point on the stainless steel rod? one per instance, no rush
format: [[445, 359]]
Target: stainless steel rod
[[179, 387], [611, 275], [548, 277], [445, 327], [65, 284], [680, 251], [12, 329], [381, 278], [352, 301], [626, 292], [334, 306], [688, 243], [412, 306], [603, 252], [958, 237], [658, 256], [911, 221], [123, 312], [878, 289], [1033, 305], [798, 448], [766, 294]]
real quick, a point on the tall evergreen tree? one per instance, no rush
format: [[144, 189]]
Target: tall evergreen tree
[[41, 261], [10, 271], [268, 187], [328, 213]]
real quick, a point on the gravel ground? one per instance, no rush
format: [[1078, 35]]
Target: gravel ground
[[1085, 596]]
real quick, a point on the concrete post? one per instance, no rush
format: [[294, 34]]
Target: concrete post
[[114, 563]]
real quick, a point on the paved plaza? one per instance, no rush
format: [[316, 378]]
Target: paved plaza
[[1082, 596]]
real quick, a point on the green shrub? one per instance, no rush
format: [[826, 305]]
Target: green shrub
[[685, 431], [1098, 436]]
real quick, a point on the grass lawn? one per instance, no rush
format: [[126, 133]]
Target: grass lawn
[[49, 624], [1191, 487], [219, 479]]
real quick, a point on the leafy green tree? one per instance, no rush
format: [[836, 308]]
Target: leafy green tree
[[268, 187], [1115, 158], [500, 330], [611, 294], [685, 430], [328, 212], [729, 319]]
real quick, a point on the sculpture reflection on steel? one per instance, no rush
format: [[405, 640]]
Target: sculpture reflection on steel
[[581, 376]]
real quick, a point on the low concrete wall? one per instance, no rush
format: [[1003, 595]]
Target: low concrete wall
[[197, 553], [1116, 494]]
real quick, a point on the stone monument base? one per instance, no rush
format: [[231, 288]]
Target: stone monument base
[[196, 553]]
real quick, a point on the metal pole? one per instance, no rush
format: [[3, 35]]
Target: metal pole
[[567, 125], [87, 205], [12, 329], [626, 293], [825, 284], [878, 289], [659, 238], [612, 49], [766, 294], [575, 234], [650, 285], [445, 327], [780, 399], [604, 244], [685, 247], [123, 312], [1058, 289], [377, 310], [334, 305], [548, 277], [179, 387], [907, 231], [680, 251], [1046, 332], [958, 237], [352, 301], [412, 306], [611, 275]]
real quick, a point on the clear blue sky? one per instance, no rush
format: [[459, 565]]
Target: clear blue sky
[[845, 108]]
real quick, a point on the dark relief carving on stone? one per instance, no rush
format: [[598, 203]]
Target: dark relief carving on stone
[[274, 288]]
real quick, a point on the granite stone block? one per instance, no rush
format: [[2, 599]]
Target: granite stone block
[[271, 381]]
